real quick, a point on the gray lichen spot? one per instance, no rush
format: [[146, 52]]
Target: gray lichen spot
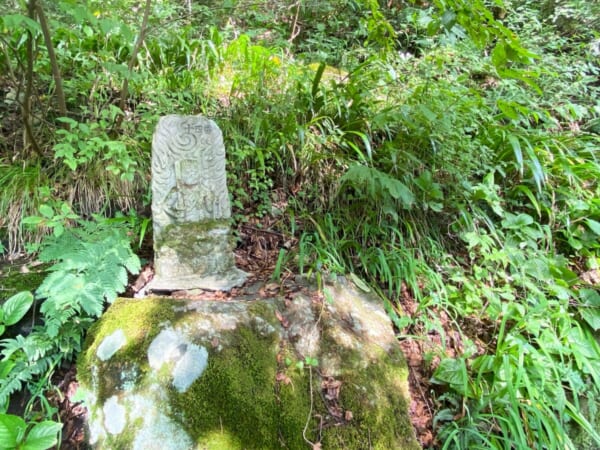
[[114, 415], [189, 367], [190, 207], [129, 378], [110, 345]]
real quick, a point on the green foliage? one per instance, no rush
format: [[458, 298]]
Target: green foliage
[[90, 265], [82, 143], [543, 361], [14, 309], [16, 434], [55, 215]]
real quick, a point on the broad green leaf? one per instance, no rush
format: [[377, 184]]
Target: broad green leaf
[[65, 209], [590, 308], [453, 372], [58, 229], [499, 57], [108, 25], [398, 190], [16, 307], [428, 113], [32, 220], [12, 429], [19, 21], [594, 226], [6, 365], [507, 109], [516, 222], [46, 211], [42, 436]]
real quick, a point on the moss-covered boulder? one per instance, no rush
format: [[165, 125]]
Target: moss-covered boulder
[[246, 374]]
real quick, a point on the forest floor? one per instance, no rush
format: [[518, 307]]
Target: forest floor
[[257, 255]]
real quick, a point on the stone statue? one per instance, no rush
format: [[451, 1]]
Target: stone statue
[[190, 207]]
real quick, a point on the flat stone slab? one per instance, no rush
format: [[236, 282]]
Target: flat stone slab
[[225, 282]]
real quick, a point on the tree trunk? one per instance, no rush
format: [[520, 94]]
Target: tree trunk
[[28, 137]]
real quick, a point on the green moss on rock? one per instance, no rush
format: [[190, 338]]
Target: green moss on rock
[[235, 393], [376, 399], [237, 400], [141, 321], [194, 240]]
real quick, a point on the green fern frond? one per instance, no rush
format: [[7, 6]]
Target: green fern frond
[[54, 249], [91, 299], [90, 267], [132, 263], [378, 186], [8, 386]]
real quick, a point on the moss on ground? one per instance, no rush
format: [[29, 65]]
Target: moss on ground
[[379, 417], [12, 280]]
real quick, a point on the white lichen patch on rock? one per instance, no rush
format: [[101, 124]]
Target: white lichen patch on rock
[[302, 330], [189, 368], [190, 360], [363, 315], [115, 416], [110, 345], [96, 430], [129, 378], [167, 346]]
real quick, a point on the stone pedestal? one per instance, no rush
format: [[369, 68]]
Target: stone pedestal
[[193, 246]]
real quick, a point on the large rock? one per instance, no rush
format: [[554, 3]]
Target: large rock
[[246, 374]]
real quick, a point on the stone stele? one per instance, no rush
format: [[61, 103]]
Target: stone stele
[[193, 246]]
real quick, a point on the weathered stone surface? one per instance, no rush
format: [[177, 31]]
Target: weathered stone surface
[[238, 375], [190, 207]]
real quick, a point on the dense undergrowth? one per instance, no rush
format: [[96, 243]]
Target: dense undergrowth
[[423, 147]]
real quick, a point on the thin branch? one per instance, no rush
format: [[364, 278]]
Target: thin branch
[[11, 73], [132, 60], [295, 27], [60, 94], [29, 139]]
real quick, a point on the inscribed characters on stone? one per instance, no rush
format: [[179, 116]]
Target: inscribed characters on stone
[[190, 207]]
